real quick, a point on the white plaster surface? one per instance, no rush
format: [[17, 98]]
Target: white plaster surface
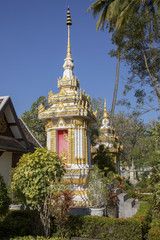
[[6, 165], [49, 140]]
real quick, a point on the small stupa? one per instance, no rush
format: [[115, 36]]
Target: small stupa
[[109, 139], [67, 121]]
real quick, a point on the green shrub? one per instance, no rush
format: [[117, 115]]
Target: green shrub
[[95, 227], [144, 214], [4, 199], [18, 223], [147, 190], [104, 228], [36, 238], [154, 232], [131, 193], [144, 197]]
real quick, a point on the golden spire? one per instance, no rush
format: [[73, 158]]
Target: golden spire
[[105, 115], [69, 23]]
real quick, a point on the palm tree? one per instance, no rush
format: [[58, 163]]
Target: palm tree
[[107, 16], [114, 14]]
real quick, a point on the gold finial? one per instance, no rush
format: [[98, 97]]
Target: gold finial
[[105, 115], [69, 23]]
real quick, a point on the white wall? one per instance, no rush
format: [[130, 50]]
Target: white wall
[[6, 165]]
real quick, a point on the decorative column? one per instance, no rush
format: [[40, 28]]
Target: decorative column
[[53, 140]]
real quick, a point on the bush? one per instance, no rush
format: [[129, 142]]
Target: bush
[[35, 181], [35, 238], [144, 214], [154, 232], [104, 228], [4, 199], [148, 189], [144, 197], [92, 227], [18, 223]]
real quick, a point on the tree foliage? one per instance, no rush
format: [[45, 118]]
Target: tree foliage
[[35, 181], [129, 129], [97, 107], [107, 18], [140, 51], [4, 198], [104, 160], [140, 141], [35, 125], [136, 33], [147, 152], [154, 130]]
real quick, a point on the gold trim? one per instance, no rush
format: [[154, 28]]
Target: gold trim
[[78, 181], [79, 192], [53, 140], [61, 125]]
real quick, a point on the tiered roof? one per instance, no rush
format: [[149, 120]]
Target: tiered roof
[[70, 101]]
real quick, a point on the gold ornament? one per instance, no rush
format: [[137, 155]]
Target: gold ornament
[[64, 155]]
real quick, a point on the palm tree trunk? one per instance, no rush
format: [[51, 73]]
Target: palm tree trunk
[[115, 90]]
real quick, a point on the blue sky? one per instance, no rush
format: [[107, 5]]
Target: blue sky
[[33, 42]]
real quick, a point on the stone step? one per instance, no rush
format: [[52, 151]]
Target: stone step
[[117, 191], [135, 208], [122, 197], [130, 202], [130, 208]]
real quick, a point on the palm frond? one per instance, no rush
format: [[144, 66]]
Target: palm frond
[[126, 12], [102, 19], [97, 6]]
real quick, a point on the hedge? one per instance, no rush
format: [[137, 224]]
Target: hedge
[[104, 228], [35, 238], [144, 214], [154, 232], [144, 197], [22, 223], [94, 227], [18, 223]]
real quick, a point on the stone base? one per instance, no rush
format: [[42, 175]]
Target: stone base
[[88, 211]]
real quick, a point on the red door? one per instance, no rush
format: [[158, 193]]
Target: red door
[[63, 144]]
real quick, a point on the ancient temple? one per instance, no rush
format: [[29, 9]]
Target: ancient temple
[[67, 121], [109, 139]]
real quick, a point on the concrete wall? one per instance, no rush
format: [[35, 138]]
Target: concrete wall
[[6, 165]]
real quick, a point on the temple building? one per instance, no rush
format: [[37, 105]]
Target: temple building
[[15, 138], [109, 139], [68, 119]]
